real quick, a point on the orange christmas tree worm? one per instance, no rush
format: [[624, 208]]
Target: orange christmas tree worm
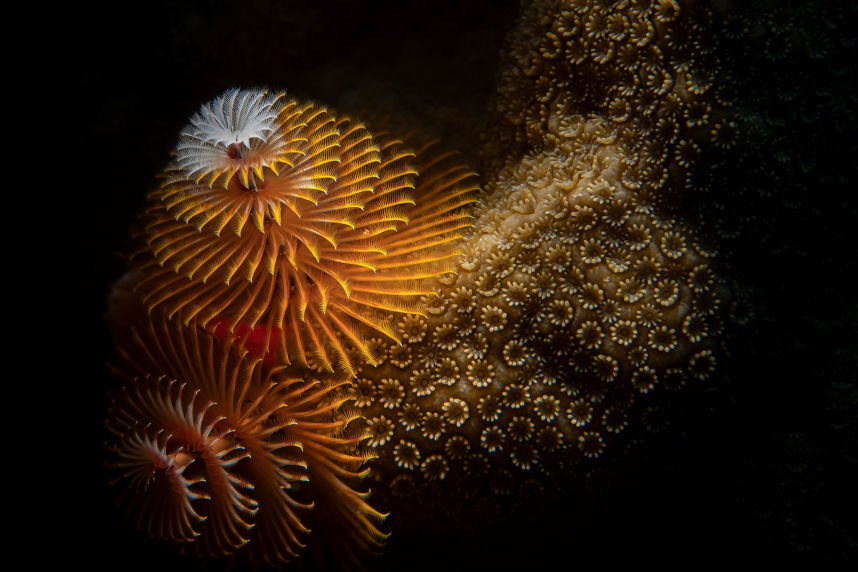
[[287, 216]]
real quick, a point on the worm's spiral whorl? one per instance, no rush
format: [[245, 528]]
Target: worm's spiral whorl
[[234, 133], [344, 232], [216, 450]]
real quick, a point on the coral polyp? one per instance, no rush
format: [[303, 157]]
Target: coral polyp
[[567, 316], [216, 451], [286, 216]]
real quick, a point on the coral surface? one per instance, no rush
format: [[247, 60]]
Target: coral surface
[[582, 296], [574, 307]]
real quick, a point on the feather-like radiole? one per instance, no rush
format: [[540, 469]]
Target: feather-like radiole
[[216, 450], [307, 225]]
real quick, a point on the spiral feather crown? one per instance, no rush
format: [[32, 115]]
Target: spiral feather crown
[[214, 451], [286, 216]]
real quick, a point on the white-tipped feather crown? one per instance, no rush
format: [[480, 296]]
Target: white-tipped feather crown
[[247, 118]]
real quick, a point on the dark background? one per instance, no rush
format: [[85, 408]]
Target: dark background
[[755, 469]]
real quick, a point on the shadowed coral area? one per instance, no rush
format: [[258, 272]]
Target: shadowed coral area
[[213, 451], [647, 68]]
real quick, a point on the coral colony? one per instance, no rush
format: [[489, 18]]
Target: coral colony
[[309, 294]]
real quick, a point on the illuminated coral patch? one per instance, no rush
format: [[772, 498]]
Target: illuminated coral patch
[[558, 352]]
